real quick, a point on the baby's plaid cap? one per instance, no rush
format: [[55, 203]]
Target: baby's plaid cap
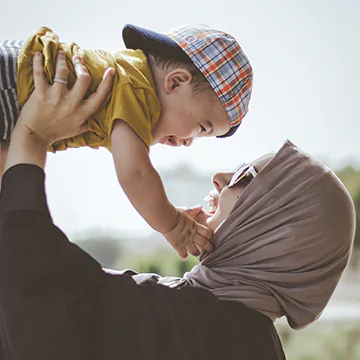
[[215, 53]]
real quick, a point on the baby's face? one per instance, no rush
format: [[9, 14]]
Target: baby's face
[[186, 116], [223, 198]]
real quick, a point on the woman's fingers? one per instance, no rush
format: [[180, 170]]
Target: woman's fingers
[[84, 128], [96, 99], [93, 103], [83, 80], [40, 82], [53, 112], [61, 71]]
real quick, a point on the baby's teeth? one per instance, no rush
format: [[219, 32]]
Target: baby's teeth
[[207, 198], [211, 202]]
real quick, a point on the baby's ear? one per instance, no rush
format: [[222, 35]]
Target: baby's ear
[[176, 78]]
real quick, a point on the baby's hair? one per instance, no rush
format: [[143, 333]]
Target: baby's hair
[[199, 82]]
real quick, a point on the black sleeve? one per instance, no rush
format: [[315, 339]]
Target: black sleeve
[[48, 286], [23, 188], [57, 303]]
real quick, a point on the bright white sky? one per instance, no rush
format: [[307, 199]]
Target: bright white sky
[[305, 55]]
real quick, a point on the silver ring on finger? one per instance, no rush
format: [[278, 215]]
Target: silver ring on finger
[[60, 80]]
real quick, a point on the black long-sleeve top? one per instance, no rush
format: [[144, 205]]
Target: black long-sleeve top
[[57, 303]]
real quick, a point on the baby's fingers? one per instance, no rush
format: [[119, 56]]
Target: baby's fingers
[[193, 211], [204, 231], [201, 241], [181, 251], [192, 249]]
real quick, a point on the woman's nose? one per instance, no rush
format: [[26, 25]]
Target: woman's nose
[[220, 180]]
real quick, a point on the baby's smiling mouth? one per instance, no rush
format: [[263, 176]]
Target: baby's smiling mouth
[[211, 199], [164, 140], [170, 140]]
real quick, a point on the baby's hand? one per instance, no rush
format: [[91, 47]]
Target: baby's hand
[[188, 235], [200, 215]]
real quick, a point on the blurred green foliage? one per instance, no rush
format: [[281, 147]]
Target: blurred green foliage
[[111, 252], [163, 262], [322, 341], [104, 247], [351, 179]]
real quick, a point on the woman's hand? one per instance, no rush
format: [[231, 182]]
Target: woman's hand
[[54, 112]]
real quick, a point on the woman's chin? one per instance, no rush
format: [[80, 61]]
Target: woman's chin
[[211, 219]]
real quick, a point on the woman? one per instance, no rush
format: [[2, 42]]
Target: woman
[[283, 231], [56, 302]]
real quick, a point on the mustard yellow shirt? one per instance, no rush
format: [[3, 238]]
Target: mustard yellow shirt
[[132, 99]]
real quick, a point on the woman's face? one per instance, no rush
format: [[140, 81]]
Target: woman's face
[[223, 197]]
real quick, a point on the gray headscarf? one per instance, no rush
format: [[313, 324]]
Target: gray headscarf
[[286, 243]]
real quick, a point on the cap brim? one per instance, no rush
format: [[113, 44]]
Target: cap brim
[[148, 41], [232, 131]]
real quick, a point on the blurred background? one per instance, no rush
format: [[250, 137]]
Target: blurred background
[[305, 56]]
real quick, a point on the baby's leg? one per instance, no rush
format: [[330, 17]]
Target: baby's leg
[[9, 105]]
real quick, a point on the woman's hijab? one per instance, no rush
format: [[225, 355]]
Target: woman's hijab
[[286, 243]]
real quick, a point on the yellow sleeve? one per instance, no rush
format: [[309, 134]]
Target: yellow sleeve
[[134, 107]]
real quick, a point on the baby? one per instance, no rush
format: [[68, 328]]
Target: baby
[[167, 89]]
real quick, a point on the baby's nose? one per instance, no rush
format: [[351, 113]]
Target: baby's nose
[[188, 141], [174, 142]]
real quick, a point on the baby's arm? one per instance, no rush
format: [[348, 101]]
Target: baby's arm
[[144, 188], [139, 179]]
